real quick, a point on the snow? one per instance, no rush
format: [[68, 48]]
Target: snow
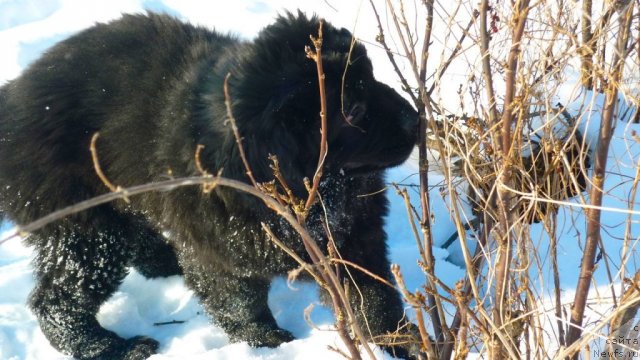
[[28, 27]]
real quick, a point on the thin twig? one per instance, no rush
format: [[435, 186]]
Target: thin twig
[[596, 193], [338, 296], [236, 132], [417, 306], [505, 145], [381, 40], [306, 266], [454, 53], [98, 168], [120, 193], [317, 58], [363, 270], [172, 322], [486, 62]]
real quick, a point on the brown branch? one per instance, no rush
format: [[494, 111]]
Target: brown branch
[[431, 301], [455, 51], [236, 133], [417, 306], [556, 284], [381, 40], [588, 48], [97, 167], [120, 193], [206, 188], [288, 197], [492, 117], [486, 63], [363, 270], [503, 259], [317, 58], [198, 161], [406, 46], [596, 193], [458, 322], [410, 213], [425, 117], [520, 18], [306, 266], [338, 296]]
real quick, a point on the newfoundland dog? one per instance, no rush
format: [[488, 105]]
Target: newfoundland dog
[[152, 86]]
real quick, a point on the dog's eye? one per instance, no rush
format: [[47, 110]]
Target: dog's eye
[[356, 114]]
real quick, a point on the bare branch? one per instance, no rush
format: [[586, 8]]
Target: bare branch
[[317, 58], [236, 132]]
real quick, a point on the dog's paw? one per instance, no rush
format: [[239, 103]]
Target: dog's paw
[[260, 335], [139, 348], [276, 337]]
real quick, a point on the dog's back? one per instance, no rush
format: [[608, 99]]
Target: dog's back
[[119, 79]]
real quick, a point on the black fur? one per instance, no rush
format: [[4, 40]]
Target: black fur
[[152, 87]]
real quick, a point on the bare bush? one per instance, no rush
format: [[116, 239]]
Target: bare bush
[[524, 154]]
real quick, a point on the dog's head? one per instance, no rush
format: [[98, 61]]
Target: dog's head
[[277, 104]]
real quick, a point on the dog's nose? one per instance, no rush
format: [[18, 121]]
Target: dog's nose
[[410, 121], [392, 103]]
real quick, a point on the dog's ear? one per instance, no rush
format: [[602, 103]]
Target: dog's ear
[[278, 142], [289, 89], [274, 71], [290, 31], [282, 44]]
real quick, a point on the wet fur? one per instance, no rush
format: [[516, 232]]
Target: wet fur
[[152, 87]]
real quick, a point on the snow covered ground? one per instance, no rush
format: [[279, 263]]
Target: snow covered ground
[[28, 27]]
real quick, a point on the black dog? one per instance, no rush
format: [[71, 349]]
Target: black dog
[[153, 88]]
